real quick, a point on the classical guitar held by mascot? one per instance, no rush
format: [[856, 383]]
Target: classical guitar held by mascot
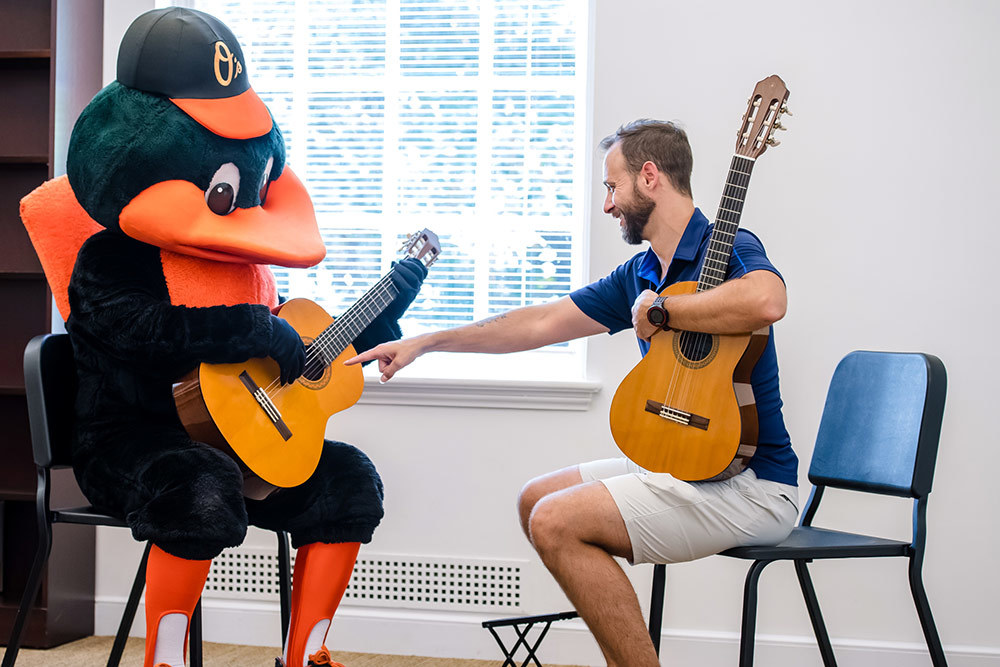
[[688, 408], [276, 431]]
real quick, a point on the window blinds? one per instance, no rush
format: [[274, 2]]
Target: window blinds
[[466, 117]]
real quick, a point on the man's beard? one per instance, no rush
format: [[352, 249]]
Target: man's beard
[[636, 217]]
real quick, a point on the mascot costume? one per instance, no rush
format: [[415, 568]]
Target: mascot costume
[[156, 246]]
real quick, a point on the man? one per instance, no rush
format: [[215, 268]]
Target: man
[[577, 518]]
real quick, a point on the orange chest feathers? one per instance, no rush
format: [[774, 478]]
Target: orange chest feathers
[[197, 282]]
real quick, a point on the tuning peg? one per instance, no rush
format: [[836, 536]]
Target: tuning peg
[[756, 103], [409, 242], [784, 109], [771, 141], [778, 126]]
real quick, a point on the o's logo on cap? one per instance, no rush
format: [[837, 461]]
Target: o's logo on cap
[[233, 66]]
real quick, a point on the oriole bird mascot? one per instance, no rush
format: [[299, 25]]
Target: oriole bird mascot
[[177, 199]]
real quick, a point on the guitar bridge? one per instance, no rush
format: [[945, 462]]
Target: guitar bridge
[[266, 404], [678, 416]]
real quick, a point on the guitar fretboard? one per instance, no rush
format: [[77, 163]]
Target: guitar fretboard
[[336, 337], [720, 246]]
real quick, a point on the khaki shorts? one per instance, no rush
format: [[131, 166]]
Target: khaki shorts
[[670, 521]]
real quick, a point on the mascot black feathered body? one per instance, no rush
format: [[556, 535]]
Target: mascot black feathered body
[[183, 170]]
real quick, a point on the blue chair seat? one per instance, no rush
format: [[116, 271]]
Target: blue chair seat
[[807, 542]]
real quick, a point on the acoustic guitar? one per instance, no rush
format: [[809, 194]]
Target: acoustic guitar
[[276, 431], [688, 407]]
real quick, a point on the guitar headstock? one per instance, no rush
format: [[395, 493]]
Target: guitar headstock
[[764, 110], [423, 245]]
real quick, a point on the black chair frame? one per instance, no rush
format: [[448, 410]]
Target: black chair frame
[[808, 543], [50, 385]]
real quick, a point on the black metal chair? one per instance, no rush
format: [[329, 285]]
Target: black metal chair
[[50, 384], [878, 434]]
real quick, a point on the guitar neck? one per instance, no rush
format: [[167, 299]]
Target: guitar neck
[[720, 246], [336, 337]]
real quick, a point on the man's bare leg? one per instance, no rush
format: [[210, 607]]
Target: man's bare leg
[[576, 529], [542, 486]]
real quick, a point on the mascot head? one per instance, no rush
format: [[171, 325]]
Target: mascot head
[[180, 152]]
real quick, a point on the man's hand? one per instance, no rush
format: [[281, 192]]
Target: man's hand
[[392, 356], [643, 329]]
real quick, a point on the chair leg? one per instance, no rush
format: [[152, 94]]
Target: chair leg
[[138, 584], [924, 613], [815, 616], [194, 642], [749, 627], [656, 605], [284, 583], [30, 593]]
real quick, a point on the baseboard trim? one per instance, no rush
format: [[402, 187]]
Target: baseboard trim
[[460, 635]]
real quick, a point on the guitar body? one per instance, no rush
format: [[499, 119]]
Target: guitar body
[[275, 432], [217, 406], [687, 408]]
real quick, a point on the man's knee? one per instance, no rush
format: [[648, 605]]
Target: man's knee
[[529, 496], [548, 528], [542, 486]]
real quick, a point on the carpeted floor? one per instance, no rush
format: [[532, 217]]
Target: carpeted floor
[[93, 652]]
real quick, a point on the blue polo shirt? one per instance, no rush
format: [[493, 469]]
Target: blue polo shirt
[[609, 302]]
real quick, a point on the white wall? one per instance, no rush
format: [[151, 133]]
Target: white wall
[[870, 208]]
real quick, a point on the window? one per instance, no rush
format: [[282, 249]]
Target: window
[[466, 117]]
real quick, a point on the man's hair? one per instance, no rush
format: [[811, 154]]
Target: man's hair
[[657, 141]]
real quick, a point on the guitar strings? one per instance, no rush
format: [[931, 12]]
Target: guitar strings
[[729, 227], [316, 355], [682, 379]]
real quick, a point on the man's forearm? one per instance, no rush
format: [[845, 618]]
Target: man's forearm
[[513, 331], [749, 303]]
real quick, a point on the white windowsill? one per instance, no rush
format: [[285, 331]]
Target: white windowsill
[[510, 394]]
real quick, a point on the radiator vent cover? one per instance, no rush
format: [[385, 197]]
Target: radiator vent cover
[[382, 580]]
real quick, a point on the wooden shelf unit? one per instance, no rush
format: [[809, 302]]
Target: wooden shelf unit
[[50, 65]]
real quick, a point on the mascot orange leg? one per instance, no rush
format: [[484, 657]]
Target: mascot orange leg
[[173, 586], [322, 572]]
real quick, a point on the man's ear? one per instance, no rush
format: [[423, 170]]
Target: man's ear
[[649, 174]]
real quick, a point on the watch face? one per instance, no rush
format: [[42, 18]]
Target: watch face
[[656, 316]]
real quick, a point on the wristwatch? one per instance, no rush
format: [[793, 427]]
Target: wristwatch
[[657, 315]]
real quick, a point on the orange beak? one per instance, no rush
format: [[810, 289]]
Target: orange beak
[[173, 215]]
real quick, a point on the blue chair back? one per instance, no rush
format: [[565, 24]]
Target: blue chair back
[[881, 423]]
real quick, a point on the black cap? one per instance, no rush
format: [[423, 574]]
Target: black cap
[[193, 59]]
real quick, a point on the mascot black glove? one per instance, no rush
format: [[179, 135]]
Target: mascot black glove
[[408, 276], [286, 348]]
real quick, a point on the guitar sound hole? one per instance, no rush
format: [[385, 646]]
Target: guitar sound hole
[[314, 367], [695, 346]]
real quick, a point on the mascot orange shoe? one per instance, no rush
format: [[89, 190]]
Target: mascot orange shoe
[[155, 245]]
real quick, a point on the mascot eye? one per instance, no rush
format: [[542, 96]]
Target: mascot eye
[[265, 183], [221, 193], [220, 199]]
